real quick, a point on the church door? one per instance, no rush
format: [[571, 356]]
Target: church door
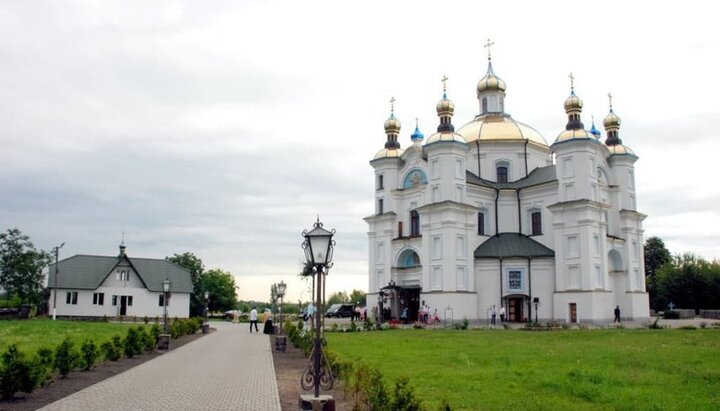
[[515, 309], [573, 313]]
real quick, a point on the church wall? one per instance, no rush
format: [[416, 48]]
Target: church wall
[[537, 199], [508, 212], [543, 286], [389, 170], [457, 305], [487, 274]]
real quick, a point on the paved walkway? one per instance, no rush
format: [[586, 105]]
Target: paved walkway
[[229, 369]]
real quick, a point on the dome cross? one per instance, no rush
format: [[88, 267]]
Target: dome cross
[[444, 80], [392, 105], [487, 45], [572, 82], [610, 100]]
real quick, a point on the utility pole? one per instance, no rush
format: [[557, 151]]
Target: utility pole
[[57, 270]]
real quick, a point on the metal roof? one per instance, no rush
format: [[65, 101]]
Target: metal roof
[[538, 176], [87, 272], [506, 245]]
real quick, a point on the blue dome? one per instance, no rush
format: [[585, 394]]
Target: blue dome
[[417, 135], [594, 131]]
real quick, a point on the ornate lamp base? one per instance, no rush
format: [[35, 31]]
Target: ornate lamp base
[[307, 381], [163, 342]]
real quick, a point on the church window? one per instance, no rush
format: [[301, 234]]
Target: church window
[[573, 248], [573, 277], [435, 194], [380, 185], [514, 280], [502, 174], [631, 179], [459, 194], [379, 278], [408, 258], [596, 240], [536, 218], [484, 105], [414, 223], [380, 206], [600, 283], [400, 231], [435, 169], [460, 247], [459, 169], [380, 255], [481, 223], [568, 168]]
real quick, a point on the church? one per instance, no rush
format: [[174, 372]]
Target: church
[[488, 215]]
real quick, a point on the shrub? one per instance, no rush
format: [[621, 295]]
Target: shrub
[[688, 327], [146, 319], [654, 325], [16, 374], [147, 342], [131, 344], [377, 396], [368, 325], [404, 399], [155, 332], [109, 351], [44, 366], [671, 315], [465, 324], [89, 354], [66, 357]]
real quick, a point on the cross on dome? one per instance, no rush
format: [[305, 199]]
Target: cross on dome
[[572, 82], [487, 45], [610, 100], [444, 80], [392, 104]]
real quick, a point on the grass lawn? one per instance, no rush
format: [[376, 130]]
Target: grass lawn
[[41, 332], [571, 369]]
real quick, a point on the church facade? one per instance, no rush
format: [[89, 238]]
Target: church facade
[[490, 215]]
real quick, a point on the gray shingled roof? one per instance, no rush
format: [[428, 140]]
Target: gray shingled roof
[[538, 176], [87, 272], [506, 245]]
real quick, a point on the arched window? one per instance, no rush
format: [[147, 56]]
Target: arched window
[[414, 223], [481, 223], [408, 258], [536, 218], [502, 174]]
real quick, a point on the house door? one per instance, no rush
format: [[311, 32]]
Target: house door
[[573, 312], [515, 307], [123, 304]]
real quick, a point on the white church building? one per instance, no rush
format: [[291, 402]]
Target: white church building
[[489, 214]]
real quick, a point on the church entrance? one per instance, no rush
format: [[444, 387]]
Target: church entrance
[[515, 309]]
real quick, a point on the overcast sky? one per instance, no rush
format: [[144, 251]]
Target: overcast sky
[[223, 128]]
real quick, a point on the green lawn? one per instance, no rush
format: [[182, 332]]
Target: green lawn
[[41, 332], [572, 369]]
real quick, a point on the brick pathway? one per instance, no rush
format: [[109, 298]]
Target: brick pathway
[[229, 369]]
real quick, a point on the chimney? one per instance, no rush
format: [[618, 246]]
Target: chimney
[[122, 250]]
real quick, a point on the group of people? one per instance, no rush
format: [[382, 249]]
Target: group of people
[[267, 321], [425, 317], [494, 313]]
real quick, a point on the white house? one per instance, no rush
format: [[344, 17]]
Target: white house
[[491, 215], [97, 286]]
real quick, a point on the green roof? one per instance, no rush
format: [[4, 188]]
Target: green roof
[[87, 272], [540, 175], [506, 245]]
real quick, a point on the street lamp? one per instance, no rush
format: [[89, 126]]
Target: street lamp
[[206, 325], [164, 340], [57, 271], [318, 247], [281, 293], [536, 301]]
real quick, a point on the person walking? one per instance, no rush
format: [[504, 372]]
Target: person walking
[[617, 314], [502, 314], [493, 314], [253, 319]]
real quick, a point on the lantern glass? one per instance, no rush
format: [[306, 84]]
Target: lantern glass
[[166, 285], [281, 288]]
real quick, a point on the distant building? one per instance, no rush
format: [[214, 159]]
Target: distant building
[[491, 215], [97, 286]]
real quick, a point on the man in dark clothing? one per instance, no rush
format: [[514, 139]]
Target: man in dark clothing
[[617, 314]]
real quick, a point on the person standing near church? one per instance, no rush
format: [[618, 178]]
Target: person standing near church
[[493, 314], [617, 314], [502, 314], [253, 319]]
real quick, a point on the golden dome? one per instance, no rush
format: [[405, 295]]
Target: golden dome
[[490, 82], [620, 149], [611, 120], [500, 127], [573, 103], [445, 136], [392, 125], [445, 106], [574, 134], [388, 153]]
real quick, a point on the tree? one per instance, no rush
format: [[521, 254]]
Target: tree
[[274, 297], [195, 265], [656, 256], [339, 297], [21, 265], [221, 285], [688, 281], [358, 297]]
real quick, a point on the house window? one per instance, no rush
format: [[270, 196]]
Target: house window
[[481, 224], [414, 223], [98, 298], [129, 301], [536, 223], [514, 280], [380, 206], [122, 275], [114, 300], [161, 300], [502, 174], [380, 185], [71, 297]]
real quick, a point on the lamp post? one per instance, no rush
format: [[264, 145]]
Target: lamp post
[[318, 247], [164, 339], [281, 293], [57, 271], [536, 301], [206, 325]]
